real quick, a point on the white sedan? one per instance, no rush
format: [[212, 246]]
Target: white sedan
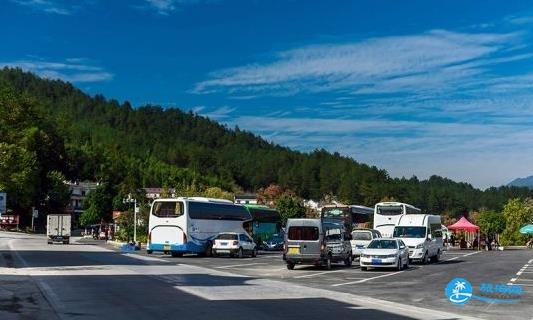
[[385, 253], [234, 244]]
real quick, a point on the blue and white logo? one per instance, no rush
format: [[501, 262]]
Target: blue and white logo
[[459, 291]]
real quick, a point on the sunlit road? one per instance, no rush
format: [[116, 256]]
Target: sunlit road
[[84, 281]]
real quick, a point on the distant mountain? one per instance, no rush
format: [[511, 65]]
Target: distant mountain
[[522, 182]]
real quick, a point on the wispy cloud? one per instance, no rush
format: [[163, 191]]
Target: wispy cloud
[[165, 7], [67, 71], [219, 113], [48, 6], [394, 63]]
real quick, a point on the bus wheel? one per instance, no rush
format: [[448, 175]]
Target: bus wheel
[[290, 266], [209, 249], [176, 254], [241, 253], [149, 251]]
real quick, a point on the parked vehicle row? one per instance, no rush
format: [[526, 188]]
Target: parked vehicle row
[[218, 227]]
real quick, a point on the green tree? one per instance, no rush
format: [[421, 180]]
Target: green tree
[[98, 206], [289, 207], [517, 213], [491, 223]]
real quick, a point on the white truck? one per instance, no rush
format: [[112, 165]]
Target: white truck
[[422, 233], [58, 228]]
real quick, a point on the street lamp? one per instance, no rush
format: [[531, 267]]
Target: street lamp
[[129, 199]]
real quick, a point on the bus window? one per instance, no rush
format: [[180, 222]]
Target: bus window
[[167, 209]]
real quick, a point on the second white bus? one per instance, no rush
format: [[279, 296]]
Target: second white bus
[[387, 214]]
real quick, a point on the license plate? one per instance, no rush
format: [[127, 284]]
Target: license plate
[[223, 251], [166, 247], [223, 243], [376, 261], [294, 250]]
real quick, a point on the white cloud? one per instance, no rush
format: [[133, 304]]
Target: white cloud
[[47, 6], [165, 7], [220, 113], [67, 71], [402, 62], [462, 151]]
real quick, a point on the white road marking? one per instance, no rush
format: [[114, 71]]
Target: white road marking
[[317, 274], [241, 265], [365, 280], [145, 258], [465, 255]]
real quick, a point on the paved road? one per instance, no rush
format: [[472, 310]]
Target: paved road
[[87, 281]]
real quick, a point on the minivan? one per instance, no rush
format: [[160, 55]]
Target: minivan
[[310, 241]]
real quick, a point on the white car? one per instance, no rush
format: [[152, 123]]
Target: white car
[[385, 253], [361, 238], [234, 244]]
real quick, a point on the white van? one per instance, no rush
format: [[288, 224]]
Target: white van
[[422, 234]]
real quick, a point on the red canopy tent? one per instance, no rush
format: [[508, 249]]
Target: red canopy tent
[[464, 225]]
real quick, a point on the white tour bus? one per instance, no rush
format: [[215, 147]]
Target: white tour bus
[[189, 224], [386, 215], [422, 233]]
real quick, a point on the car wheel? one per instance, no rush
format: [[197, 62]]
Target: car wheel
[[149, 251], [241, 253], [406, 266], [425, 260], [348, 261], [254, 253], [364, 268], [399, 265], [290, 266], [328, 263], [437, 257]]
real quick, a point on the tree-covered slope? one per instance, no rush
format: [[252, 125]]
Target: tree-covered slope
[[151, 146]]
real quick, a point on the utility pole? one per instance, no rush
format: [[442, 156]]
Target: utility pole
[[129, 199]]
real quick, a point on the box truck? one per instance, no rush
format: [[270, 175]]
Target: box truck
[[58, 228]]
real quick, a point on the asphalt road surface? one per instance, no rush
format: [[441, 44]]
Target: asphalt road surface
[[90, 280]]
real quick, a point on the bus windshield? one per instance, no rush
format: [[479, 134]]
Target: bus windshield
[[334, 212], [390, 210], [409, 232]]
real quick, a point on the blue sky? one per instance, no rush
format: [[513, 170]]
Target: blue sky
[[414, 87]]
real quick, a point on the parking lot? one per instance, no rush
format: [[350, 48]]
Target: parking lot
[[420, 285]]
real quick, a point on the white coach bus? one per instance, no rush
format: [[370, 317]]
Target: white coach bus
[[387, 214], [189, 224]]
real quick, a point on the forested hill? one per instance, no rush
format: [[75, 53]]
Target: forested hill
[[150, 146]]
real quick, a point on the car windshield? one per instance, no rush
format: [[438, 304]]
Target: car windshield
[[361, 235], [383, 244], [409, 232], [227, 236]]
